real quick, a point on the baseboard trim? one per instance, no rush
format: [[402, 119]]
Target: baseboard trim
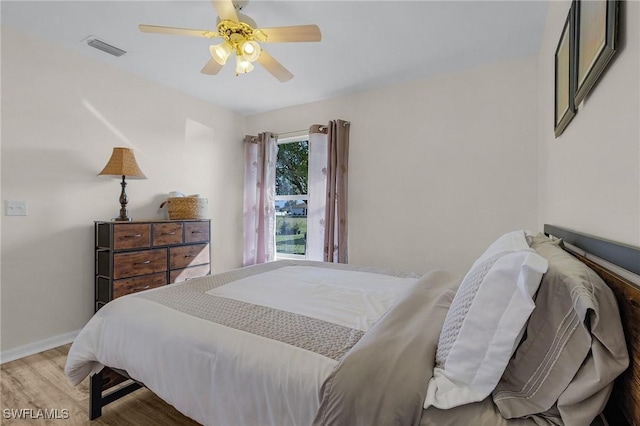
[[36, 347]]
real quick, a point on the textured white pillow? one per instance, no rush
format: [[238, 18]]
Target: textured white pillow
[[485, 322]]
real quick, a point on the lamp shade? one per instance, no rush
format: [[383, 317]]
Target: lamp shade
[[221, 52], [242, 65], [250, 50], [123, 163]]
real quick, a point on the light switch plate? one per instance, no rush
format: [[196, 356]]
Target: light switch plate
[[15, 208]]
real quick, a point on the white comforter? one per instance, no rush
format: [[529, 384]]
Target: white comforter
[[219, 375]]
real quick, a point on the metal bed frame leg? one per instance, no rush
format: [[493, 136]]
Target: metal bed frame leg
[[97, 400], [95, 396]]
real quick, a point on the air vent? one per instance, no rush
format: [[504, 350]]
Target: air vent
[[101, 45]]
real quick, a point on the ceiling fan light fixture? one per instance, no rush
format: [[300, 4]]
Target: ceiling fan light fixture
[[250, 50], [240, 35], [221, 52]]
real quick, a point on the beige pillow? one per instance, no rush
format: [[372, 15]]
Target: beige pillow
[[574, 346]]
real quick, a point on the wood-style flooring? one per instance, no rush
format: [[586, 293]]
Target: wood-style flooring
[[38, 382]]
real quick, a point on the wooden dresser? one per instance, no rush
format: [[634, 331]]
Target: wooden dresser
[[135, 256]]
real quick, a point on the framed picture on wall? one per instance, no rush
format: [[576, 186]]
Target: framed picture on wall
[[596, 29], [565, 76]]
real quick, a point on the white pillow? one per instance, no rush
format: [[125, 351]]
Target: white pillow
[[485, 322]]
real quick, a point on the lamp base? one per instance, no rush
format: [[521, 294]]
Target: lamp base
[[124, 199]]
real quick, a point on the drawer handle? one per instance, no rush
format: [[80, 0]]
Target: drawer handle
[[189, 255], [169, 233], [142, 288], [146, 262], [197, 232], [132, 236]]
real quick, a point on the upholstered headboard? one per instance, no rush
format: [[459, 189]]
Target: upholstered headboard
[[619, 266]]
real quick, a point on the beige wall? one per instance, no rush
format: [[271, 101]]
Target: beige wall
[[438, 167], [61, 116], [590, 175]]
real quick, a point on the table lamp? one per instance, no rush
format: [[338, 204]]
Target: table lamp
[[123, 163]]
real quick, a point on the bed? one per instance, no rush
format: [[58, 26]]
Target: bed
[[353, 345]]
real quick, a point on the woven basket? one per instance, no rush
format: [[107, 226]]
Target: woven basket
[[187, 208]]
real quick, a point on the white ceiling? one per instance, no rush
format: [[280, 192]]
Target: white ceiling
[[365, 44]]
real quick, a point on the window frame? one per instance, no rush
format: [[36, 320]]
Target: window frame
[[298, 137]]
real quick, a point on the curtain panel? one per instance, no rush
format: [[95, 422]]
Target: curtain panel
[[335, 232], [328, 192], [259, 198], [317, 185]]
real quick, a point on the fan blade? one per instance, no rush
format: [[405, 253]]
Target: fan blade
[[177, 31], [274, 67], [211, 68], [292, 34], [225, 10]]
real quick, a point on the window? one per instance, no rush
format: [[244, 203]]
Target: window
[[292, 177]]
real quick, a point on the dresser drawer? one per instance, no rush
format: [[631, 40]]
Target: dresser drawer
[[179, 275], [131, 235], [142, 262], [182, 257], [165, 234], [196, 232], [136, 284]]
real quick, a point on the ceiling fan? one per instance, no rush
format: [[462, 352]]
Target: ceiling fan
[[240, 36]]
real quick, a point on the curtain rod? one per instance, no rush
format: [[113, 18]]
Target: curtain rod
[[296, 132]]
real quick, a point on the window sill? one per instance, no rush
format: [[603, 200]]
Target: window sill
[[287, 256]]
